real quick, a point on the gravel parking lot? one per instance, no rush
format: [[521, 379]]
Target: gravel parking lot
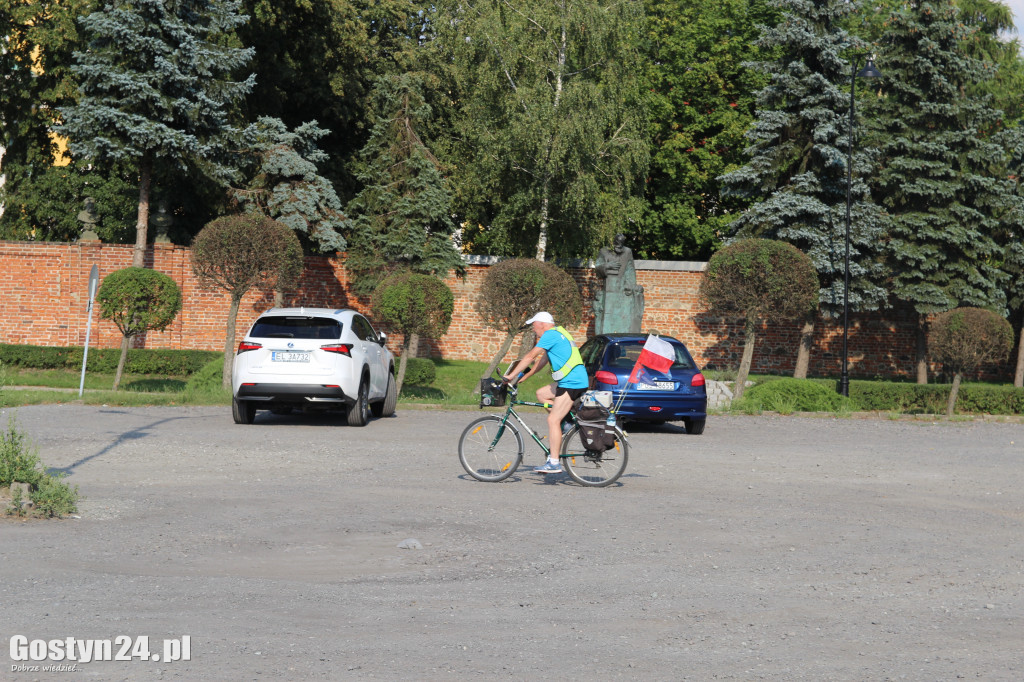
[[780, 548]]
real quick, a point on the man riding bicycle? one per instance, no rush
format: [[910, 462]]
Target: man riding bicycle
[[554, 346]]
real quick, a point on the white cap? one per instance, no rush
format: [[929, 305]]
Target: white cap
[[541, 317]]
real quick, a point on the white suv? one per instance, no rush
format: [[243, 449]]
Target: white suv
[[315, 359]]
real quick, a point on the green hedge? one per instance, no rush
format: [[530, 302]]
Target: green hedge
[[104, 360], [821, 395], [932, 398]]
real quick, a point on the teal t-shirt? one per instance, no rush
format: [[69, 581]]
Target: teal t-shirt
[[559, 349]]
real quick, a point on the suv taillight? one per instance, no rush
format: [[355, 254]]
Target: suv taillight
[[248, 345], [697, 380], [342, 348]]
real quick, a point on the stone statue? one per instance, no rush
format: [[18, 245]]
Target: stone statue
[[162, 222], [88, 220], [619, 306]]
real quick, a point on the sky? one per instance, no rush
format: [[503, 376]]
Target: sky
[[1018, 16]]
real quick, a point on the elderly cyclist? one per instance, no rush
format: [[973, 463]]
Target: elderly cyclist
[[554, 346]]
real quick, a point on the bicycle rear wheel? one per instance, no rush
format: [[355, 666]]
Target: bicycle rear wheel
[[591, 468], [489, 451]]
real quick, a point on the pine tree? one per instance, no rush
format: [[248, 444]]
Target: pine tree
[[799, 150], [401, 220], [941, 177], [155, 85]]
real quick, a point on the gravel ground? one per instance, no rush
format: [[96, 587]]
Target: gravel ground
[[780, 548]]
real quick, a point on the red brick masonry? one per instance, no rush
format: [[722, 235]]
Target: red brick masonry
[[44, 290]]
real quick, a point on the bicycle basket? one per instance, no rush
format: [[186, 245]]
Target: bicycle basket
[[493, 393]]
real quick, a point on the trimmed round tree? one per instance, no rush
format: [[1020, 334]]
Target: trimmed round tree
[[760, 280], [963, 339], [137, 300], [236, 253], [414, 305], [513, 290]]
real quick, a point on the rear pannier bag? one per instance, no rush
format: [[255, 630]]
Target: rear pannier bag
[[592, 411]]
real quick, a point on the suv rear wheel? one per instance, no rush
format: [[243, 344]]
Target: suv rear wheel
[[244, 411], [359, 413]]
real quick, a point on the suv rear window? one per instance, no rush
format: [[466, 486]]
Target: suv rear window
[[296, 327]]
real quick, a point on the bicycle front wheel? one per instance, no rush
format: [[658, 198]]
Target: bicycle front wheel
[[591, 468], [489, 450]]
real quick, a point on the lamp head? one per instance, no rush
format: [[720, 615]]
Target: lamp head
[[870, 70]]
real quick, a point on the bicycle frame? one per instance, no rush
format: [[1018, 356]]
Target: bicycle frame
[[510, 411]]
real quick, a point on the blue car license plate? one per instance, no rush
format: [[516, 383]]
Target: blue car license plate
[[656, 386], [289, 356]]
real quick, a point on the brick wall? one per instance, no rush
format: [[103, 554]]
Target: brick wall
[[44, 290]]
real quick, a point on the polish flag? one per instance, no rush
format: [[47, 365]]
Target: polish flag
[[657, 354]]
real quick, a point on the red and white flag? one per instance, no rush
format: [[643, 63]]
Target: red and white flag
[[657, 354]]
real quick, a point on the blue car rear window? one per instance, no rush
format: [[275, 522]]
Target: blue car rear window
[[296, 327], [624, 355]]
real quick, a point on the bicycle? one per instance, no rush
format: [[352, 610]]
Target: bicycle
[[491, 447]]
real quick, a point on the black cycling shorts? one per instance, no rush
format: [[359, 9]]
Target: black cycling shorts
[[574, 393]]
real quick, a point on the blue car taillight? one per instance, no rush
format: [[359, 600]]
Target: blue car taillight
[[606, 378], [697, 380]]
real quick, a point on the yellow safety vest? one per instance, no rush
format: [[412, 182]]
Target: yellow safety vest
[[574, 357]]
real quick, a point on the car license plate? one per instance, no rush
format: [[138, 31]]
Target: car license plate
[[656, 386], [290, 356]]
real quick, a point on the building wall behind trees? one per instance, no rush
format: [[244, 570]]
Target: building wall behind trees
[[44, 291]]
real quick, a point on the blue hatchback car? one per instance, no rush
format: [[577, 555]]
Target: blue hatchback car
[[678, 395]]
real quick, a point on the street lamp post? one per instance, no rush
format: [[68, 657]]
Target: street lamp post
[[869, 71]]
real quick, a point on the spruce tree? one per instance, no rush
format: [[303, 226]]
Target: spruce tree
[[941, 176], [283, 182], [401, 220], [799, 150], [155, 86]]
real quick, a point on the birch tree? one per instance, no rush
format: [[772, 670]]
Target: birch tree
[[549, 121]]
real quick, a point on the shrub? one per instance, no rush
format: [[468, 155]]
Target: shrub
[[208, 378], [965, 338], [761, 280], [236, 253], [514, 290], [19, 463], [414, 305], [420, 372], [137, 300], [786, 395]]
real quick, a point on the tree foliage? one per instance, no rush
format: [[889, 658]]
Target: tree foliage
[[760, 280], [797, 173], [311, 58], [137, 300], [940, 160], [937, 150], [283, 182], [236, 253], [702, 102], [963, 339], [414, 305], [514, 290], [549, 121], [155, 82], [401, 220]]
